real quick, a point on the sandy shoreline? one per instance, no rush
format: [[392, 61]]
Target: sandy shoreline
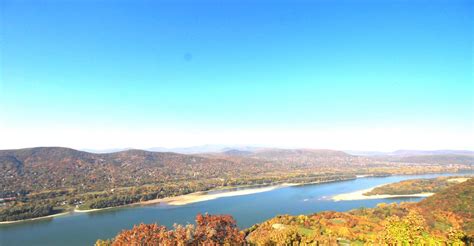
[[38, 218], [194, 197], [359, 195], [206, 196], [90, 210]]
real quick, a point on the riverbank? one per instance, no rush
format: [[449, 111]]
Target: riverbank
[[359, 195], [192, 197], [92, 210], [206, 196], [210, 195], [37, 218]]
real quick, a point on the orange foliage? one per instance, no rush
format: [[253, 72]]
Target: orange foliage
[[209, 230], [217, 230]]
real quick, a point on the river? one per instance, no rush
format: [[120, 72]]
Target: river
[[86, 228]]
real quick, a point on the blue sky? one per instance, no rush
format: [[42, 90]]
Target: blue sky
[[343, 74]]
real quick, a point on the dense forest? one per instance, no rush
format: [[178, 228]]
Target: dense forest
[[40, 181], [446, 218]]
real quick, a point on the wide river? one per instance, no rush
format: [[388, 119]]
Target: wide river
[[86, 228]]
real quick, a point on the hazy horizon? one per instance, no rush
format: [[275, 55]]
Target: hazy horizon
[[358, 75], [216, 148]]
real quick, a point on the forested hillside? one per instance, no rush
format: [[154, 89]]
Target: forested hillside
[[453, 204], [51, 168]]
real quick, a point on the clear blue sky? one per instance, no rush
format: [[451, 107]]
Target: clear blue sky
[[231, 70]]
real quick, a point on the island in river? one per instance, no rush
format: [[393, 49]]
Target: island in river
[[405, 188]]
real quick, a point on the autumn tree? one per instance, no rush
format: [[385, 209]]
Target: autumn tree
[[143, 234], [408, 230], [209, 230], [217, 230]]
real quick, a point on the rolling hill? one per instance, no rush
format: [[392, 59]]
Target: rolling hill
[[54, 167]]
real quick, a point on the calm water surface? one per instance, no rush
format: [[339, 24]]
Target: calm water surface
[[86, 228]]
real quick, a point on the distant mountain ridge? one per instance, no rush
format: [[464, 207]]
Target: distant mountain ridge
[[411, 152], [432, 152], [221, 148], [236, 152], [209, 148]]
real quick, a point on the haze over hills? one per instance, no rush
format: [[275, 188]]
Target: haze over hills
[[220, 148], [291, 156], [411, 152], [300, 155], [208, 148]]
